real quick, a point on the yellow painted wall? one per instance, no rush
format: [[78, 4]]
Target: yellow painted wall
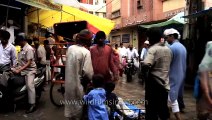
[[173, 4], [116, 5]]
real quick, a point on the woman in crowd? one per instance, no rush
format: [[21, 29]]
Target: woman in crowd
[[204, 103]]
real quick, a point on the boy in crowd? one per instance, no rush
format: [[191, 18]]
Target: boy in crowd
[[96, 99], [111, 98]]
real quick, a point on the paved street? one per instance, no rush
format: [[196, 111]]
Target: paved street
[[128, 91]]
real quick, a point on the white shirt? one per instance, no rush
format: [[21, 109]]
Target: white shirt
[[8, 54], [132, 53], [122, 51], [11, 30], [143, 53], [41, 52]]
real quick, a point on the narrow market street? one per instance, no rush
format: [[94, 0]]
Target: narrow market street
[[130, 92], [171, 38]]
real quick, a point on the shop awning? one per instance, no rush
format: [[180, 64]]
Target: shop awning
[[200, 13], [48, 18], [177, 19], [43, 4], [77, 4]]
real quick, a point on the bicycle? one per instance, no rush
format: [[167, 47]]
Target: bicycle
[[58, 86], [57, 89]]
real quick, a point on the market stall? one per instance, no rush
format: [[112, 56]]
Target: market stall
[[47, 18]]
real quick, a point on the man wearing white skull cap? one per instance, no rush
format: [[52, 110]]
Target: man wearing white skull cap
[[144, 50], [171, 31], [177, 69]]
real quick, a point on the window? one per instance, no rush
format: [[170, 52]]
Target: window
[[116, 39], [139, 4], [125, 38], [116, 14], [104, 15]]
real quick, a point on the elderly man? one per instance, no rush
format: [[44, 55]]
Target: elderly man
[[78, 66], [177, 68], [7, 51]]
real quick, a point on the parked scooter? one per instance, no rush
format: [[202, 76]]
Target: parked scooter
[[19, 92]]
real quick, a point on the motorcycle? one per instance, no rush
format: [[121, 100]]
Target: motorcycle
[[130, 69], [18, 93]]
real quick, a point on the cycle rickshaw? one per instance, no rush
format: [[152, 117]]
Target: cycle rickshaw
[[66, 30]]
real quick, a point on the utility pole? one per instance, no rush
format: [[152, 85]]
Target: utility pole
[[192, 6]]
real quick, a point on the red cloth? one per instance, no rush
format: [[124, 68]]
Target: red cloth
[[116, 60], [103, 62], [92, 28]]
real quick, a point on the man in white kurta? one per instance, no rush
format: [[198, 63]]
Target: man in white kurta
[[78, 65]]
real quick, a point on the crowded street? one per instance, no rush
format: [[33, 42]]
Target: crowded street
[[128, 91], [105, 60]]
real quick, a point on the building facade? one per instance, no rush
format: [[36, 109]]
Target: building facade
[[129, 14], [101, 11]]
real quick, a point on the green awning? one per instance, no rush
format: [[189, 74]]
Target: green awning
[[177, 19]]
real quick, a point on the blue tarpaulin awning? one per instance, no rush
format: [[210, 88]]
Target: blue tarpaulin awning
[[200, 13]]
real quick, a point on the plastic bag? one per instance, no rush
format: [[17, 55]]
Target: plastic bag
[[136, 63], [197, 88]]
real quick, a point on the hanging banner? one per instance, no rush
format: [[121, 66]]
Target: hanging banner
[[43, 4]]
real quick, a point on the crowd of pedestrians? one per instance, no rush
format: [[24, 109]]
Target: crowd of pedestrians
[[100, 65], [165, 64]]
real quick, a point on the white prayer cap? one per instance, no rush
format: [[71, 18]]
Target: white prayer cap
[[146, 42], [171, 31], [166, 32]]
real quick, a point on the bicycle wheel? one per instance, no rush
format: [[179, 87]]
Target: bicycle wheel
[[57, 94]]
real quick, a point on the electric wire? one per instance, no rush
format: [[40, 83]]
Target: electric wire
[[104, 6]]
